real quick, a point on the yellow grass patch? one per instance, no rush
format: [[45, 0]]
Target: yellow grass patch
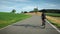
[[54, 19], [1, 21], [38, 13], [30, 13]]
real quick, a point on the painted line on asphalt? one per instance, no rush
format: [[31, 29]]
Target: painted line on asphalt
[[53, 26]]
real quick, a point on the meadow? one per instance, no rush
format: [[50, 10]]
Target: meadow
[[54, 18], [53, 14], [9, 18]]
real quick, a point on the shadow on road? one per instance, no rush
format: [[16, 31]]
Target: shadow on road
[[28, 25]]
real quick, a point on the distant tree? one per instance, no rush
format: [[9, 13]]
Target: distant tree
[[43, 10], [25, 12], [31, 11], [50, 10], [35, 10], [13, 11], [22, 12]]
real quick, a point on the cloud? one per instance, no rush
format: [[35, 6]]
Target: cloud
[[51, 5], [48, 6], [23, 0], [25, 5], [16, 0], [13, 2], [28, 8]]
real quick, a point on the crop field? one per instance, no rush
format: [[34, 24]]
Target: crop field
[[54, 19], [9, 18], [53, 14]]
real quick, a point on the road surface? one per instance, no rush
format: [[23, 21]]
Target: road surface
[[29, 26]]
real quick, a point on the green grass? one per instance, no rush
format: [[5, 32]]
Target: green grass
[[9, 18], [56, 24], [53, 14]]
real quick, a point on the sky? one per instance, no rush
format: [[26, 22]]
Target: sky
[[28, 5]]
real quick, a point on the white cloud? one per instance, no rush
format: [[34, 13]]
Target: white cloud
[[23, 0], [50, 5], [7, 8], [13, 1], [28, 8], [18, 0]]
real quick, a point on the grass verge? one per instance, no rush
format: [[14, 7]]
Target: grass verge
[[53, 14], [54, 19], [9, 18], [56, 24]]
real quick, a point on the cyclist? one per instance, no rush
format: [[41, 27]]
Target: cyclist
[[43, 19]]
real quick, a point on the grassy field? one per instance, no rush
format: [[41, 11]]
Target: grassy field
[[54, 18], [9, 18], [53, 14]]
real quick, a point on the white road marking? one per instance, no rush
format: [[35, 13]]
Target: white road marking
[[53, 26]]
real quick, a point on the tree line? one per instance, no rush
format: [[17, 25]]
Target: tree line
[[50, 10], [43, 10]]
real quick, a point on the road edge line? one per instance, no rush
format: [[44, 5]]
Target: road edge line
[[53, 26]]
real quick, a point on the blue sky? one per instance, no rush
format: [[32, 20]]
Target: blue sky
[[28, 5]]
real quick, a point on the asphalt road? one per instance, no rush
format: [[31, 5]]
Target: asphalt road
[[29, 26]]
